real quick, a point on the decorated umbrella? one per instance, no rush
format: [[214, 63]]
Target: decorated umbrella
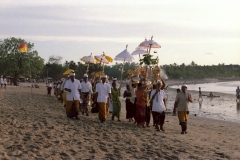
[[124, 56], [149, 44], [68, 71], [110, 59], [148, 60], [139, 51], [88, 60], [103, 59]]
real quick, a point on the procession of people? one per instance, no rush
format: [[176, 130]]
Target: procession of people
[[143, 99]]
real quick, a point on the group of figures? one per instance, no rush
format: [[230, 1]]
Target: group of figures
[[3, 81], [143, 99]]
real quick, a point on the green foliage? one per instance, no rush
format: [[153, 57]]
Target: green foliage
[[13, 63], [193, 70], [148, 60]]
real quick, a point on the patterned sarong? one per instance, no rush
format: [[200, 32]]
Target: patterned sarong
[[140, 114], [102, 114], [182, 116], [158, 118], [69, 108]]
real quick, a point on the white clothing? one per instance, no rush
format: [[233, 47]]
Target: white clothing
[[59, 85], [133, 95], [117, 85], [1, 80], [4, 80], [158, 104], [86, 87], [74, 86], [49, 85], [103, 89]]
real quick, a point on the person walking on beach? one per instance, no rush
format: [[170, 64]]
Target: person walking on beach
[[115, 102], [238, 93], [5, 82], [1, 80], [129, 106], [141, 104], [158, 98], [103, 91], [73, 88], [86, 94], [49, 88], [175, 107], [133, 88], [200, 94], [63, 92], [182, 103], [114, 80]]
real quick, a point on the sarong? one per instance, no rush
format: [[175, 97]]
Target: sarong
[[102, 114], [158, 118], [116, 109], [140, 114], [85, 101], [49, 90], [129, 109], [71, 112], [182, 116], [148, 115], [64, 94]]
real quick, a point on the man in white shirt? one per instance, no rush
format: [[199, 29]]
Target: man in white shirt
[[103, 91], [182, 102], [73, 88], [158, 98], [86, 94]]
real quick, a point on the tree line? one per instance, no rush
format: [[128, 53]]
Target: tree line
[[25, 65]]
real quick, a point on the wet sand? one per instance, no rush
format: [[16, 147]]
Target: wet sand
[[35, 127]]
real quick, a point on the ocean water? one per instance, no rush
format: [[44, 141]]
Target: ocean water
[[224, 107], [220, 87]]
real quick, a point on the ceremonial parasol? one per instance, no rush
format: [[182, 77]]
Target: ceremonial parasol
[[68, 71], [149, 44], [88, 60], [139, 51], [103, 59], [124, 56]]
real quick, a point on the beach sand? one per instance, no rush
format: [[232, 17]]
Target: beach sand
[[34, 126]]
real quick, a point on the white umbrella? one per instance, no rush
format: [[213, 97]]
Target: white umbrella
[[150, 44], [101, 59], [88, 60], [139, 51], [124, 56]]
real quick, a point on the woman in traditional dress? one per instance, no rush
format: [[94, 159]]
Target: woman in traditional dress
[[115, 102], [141, 103], [129, 105]]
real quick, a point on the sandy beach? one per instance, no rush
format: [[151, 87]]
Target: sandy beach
[[34, 126]]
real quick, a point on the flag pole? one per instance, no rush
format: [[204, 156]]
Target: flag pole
[[23, 48], [30, 74]]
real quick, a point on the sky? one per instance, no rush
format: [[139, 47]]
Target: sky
[[203, 31]]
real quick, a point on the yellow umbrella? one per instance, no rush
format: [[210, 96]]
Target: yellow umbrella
[[68, 71], [110, 59]]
